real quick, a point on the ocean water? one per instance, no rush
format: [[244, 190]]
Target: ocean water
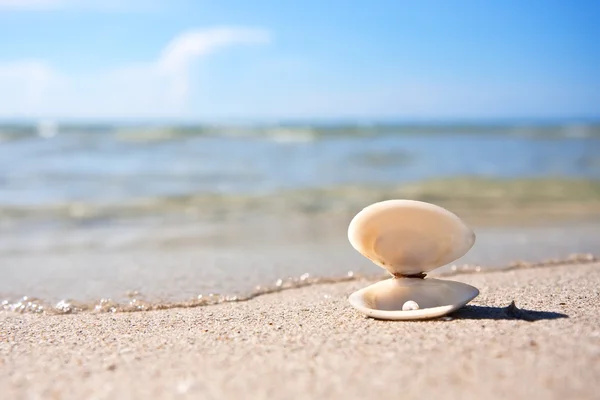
[[94, 211], [47, 164]]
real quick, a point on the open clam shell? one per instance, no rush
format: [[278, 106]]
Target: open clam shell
[[409, 238]]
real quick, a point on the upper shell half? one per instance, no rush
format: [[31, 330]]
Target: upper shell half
[[409, 237]]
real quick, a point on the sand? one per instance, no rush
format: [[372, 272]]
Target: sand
[[309, 343]]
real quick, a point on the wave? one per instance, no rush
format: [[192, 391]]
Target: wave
[[136, 303], [469, 194], [294, 132]]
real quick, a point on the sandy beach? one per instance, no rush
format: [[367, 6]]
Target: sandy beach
[[191, 192], [309, 343]]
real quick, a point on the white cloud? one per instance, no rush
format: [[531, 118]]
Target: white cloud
[[34, 88], [177, 58], [25, 84]]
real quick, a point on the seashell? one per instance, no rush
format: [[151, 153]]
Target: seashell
[[409, 238]]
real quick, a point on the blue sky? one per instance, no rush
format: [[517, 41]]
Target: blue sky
[[265, 60]]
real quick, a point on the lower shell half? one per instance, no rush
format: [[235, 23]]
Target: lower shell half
[[433, 297]]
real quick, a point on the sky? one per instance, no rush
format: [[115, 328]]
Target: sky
[[310, 59]]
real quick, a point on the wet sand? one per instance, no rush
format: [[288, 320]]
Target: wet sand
[[309, 343]]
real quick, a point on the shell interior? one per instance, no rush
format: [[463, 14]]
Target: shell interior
[[409, 237]]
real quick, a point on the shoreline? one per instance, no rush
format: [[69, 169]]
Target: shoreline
[[155, 264], [310, 343], [136, 302]]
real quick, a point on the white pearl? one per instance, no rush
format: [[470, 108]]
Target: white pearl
[[410, 305]]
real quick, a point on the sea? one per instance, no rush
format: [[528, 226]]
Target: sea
[[95, 214]]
